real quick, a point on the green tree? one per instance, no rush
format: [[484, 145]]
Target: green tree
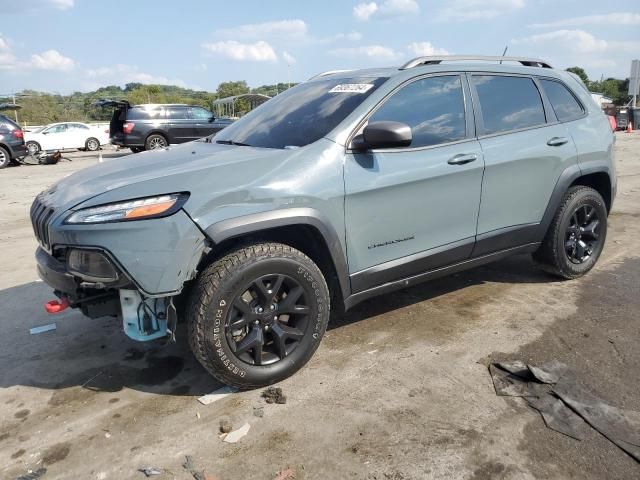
[[581, 73]]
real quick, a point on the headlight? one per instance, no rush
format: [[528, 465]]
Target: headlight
[[138, 209]]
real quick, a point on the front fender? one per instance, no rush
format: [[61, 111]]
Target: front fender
[[259, 222]]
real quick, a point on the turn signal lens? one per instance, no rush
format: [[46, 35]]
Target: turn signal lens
[[142, 208]]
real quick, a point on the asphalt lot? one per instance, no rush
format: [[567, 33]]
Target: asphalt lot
[[399, 388]]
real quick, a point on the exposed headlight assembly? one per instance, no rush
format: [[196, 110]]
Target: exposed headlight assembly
[[138, 209]]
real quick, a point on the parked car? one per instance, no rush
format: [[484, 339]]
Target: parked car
[[351, 185], [12, 145], [151, 126], [66, 136]]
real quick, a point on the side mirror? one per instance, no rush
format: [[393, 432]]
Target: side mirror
[[385, 134]]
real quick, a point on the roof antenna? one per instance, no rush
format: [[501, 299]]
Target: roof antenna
[[504, 53]]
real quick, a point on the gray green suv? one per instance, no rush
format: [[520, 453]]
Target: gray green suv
[[350, 185]]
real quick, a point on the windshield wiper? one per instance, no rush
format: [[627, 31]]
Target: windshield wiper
[[231, 142]]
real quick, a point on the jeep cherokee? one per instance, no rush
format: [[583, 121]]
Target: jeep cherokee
[[350, 185]]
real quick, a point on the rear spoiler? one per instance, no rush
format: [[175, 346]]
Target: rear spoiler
[[106, 102]]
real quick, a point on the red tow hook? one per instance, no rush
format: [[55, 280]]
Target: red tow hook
[[56, 306]]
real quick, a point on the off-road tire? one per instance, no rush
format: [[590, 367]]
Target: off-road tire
[[155, 139], [552, 256], [216, 288]]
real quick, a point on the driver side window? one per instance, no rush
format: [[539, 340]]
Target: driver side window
[[433, 107], [57, 129]]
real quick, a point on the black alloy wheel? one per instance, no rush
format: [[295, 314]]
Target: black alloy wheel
[[267, 320], [583, 234]]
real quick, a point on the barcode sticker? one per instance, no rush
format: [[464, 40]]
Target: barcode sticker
[[352, 88]]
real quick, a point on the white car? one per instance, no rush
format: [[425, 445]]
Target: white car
[[66, 136]]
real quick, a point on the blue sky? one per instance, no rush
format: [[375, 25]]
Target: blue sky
[[67, 45]]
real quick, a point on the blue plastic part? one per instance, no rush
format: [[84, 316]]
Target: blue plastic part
[[134, 310]]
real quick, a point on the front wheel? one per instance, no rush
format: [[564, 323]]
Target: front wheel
[[33, 147], [257, 315], [576, 236]]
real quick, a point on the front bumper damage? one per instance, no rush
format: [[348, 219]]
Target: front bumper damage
[[138, 284]]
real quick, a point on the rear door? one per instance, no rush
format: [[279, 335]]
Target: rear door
[[180, 127], [525, 151], [408, 210]]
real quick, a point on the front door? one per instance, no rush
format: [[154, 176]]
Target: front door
[[204, 123], [55, 137], [412, 209]]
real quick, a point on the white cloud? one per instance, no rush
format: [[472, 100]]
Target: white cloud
[[363, 11], [578, 47], [386, 8], [260, 51], [290, 59], [51, 60], [121, 74], [607, 19], [48, 60], [378, 52], [466, 10], [33, 6], [7, 58], [279, 28], [425, 49]]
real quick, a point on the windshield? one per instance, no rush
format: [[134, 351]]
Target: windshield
[[301, 115]]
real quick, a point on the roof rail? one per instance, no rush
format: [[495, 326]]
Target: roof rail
[[434, 60], [328, 72]]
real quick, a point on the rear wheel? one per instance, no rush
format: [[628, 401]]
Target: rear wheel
[[5, 158], [33, 147], [92, 144], [258, 314], [155, 141], [576, 236]]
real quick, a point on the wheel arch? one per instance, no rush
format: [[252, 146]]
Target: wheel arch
[[157, 132], [598, 177], [305, 229]]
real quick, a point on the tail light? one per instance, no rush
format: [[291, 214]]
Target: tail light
[[18, 133], [127, 127]]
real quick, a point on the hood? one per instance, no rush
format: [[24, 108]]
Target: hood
[[169, 170]]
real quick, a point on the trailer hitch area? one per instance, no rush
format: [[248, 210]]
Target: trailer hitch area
[[57, 306]]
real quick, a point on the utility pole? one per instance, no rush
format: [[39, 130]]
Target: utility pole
[[15, 112]]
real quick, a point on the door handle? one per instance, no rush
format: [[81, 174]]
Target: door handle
[[557, 141], [463, 158]]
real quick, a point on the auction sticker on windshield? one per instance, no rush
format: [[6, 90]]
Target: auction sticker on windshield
[[352, 88]]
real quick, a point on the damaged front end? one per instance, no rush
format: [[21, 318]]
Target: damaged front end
[[128, 259], [89, 280]]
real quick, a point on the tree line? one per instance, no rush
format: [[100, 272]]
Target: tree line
[[40, 108]]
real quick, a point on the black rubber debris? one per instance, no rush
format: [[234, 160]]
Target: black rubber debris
[[274, 395], [565, 404]]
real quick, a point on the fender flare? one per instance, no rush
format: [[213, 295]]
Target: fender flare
[[257, 222], [568, 176]]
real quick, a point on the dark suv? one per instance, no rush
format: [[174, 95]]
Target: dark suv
[[12, 144], [151, 126]]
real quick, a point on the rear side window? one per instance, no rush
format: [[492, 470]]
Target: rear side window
[[433, 107], [177, 113], [562, 100], [508, 103], [144, 114]]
